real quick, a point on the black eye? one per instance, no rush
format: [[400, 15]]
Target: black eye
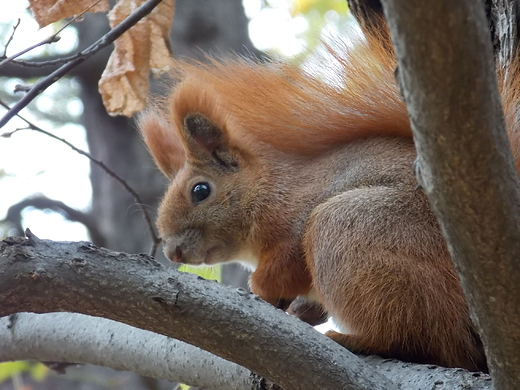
[[199, 192]]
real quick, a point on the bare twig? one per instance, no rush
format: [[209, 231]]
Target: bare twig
[[11, 37], [21, 88], [51, 39], [30, 126], [104, 41], [41, 64], [41, 203], [76, 17]]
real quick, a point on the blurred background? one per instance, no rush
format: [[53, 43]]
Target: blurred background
[[60, 195]]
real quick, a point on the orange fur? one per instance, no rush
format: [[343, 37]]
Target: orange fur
[[307, 178], [164, 144], [279, 104]]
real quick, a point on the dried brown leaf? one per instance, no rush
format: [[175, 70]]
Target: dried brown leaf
[[161, 22], [124, 83], [49, 11]]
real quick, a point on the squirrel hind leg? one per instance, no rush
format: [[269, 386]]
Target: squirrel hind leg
[[382, 270], [356, 344]]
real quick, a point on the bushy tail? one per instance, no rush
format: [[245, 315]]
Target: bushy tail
[[353, 95], [307, 112]]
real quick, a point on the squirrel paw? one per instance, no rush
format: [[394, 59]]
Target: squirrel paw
[[310, 312]]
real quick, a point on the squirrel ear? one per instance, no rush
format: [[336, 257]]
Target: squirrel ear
[[165, 146], [206, 141]]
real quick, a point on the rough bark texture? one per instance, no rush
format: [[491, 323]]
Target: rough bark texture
[[464, 164], [502, 16], [69, 337], [75, 338], [42, 276], [503, 22]]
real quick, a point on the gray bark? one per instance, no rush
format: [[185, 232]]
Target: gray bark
[[45, 276], [502, 18], [68, 337], [77, 338], [503, 22], [446, 74], [138, 291]]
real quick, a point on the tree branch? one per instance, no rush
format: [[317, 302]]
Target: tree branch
[[9, 40], [446, 74], [44, 276], [68, 337], [77, 338], [47, 41], [51, 39], [42, 203], [104, 41], [502, 17], [146, 216]]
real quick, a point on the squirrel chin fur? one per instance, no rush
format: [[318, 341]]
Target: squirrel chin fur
[[308, 179]]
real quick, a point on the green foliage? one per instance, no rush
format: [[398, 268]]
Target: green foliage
[[37, 371], [320, 6], [211, 273]]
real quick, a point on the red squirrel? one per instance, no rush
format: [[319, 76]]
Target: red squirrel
[[308, 179]]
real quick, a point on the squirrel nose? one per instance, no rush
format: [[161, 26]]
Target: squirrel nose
[[174, 251]]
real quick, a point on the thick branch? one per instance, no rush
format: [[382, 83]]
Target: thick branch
[[43, 276], [68, 337], [446, 74], [76, 338]]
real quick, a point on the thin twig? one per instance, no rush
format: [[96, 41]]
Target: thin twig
[[104, 41], [11, 37], [41, 64], [76, 17], [155, 240], [53, 38]]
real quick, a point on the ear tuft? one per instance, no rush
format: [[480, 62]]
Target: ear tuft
[[203, 132], [208, 142], [164, 144]]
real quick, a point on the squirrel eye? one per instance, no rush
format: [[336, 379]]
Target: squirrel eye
[[199, 192]]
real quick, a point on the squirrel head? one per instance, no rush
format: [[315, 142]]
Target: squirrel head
[[205, 215]]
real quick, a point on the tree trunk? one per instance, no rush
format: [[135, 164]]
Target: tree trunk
[[447, 77]]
